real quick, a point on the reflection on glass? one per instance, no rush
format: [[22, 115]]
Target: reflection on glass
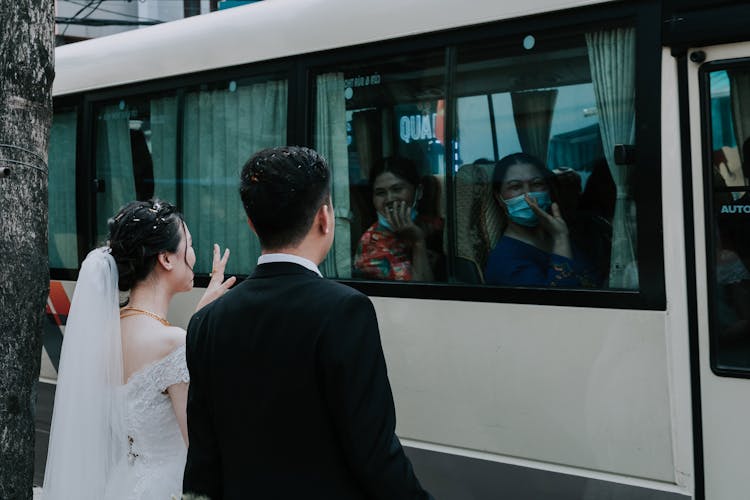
[[381, 124], [553, 114], [730, 196], [404, 244]]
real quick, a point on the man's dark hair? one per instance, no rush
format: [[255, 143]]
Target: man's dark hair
[[282, 189]]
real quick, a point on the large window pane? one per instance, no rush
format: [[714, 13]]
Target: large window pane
[[63, 239], [542, 116], [381, 126], [135, 153], [729, 244], [140, 154], [223, 125]]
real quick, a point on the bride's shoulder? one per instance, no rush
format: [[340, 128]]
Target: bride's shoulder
[[143, 347], [168, 340]]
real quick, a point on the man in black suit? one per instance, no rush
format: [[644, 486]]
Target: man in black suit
[[289, 396]]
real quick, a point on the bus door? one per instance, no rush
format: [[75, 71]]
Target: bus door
[[719, 100]]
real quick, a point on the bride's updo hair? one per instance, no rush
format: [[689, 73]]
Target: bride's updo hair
[[138, 233]]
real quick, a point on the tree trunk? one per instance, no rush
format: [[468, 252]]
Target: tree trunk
[[26, 73]]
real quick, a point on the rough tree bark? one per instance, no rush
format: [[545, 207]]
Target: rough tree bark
[[26, 73]]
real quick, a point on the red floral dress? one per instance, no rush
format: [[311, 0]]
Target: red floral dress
[[382, 255]]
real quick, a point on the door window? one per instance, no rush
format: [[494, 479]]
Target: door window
[[729, 217]]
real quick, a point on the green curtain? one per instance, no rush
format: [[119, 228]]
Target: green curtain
[[330, 141], [612, 61], [63, 238], [114, 165], [222, 128], [163, 118]]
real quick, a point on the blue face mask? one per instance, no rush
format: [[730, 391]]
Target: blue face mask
[[521, 213], [384, 222]]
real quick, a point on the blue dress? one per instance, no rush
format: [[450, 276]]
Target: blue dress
[[513, 262]]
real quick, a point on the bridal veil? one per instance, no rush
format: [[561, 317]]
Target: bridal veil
[[87, 436]]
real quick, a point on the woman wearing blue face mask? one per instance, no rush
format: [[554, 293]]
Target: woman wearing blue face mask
[[402, 244], [535, 249]]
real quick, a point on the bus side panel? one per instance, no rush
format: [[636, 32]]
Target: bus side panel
[[586, 388]]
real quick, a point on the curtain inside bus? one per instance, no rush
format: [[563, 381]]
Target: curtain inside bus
[[63, 242], [330, 141], [222, 128], [114, 163], [532, 113], [164, 147], [612, 62]]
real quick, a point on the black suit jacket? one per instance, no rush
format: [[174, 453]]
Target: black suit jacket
[[289, 396]]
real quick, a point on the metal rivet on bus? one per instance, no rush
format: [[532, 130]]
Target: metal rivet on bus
[[528, 42], [121, 105], [232, 86]]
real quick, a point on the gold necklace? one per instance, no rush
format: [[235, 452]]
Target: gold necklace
[[136, 311]]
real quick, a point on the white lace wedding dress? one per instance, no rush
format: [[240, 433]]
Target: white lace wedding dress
[[153, 461], [108, 440]]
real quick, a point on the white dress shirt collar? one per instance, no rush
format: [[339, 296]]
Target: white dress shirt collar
[[287, 257]]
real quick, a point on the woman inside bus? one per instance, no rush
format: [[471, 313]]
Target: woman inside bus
[[535, 249], [119, 423], [403, 244]]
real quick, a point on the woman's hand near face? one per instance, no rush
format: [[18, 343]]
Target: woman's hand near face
[[399, 217], [554, 225], [217, 286], [400, 220]]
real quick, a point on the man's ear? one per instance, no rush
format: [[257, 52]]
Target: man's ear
[[164, 261], [325, 219], [250, 223]]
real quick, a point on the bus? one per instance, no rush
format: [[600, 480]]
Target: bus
[[629, 384]]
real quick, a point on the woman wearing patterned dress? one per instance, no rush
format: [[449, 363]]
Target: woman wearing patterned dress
[[403, 244], [119, 427]]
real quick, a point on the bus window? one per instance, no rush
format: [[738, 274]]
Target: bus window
[[63, 240], [381, 125], [223, 125], [136, 153], [729, 240], [541, 114], [140, 153]]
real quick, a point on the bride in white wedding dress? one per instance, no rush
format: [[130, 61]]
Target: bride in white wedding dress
[[119, 427]]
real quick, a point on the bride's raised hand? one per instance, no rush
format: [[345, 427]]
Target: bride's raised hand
[[217, 286]]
